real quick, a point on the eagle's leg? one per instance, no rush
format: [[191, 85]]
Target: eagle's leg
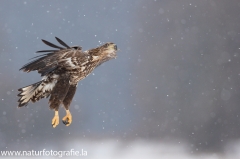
[[67, 120], [54, 104], [58, 93], [55, 120]]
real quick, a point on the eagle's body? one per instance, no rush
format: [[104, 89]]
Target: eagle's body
[[62, 70]]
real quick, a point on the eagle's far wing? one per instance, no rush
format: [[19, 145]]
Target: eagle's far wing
[[51, 59]]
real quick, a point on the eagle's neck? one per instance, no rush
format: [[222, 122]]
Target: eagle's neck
[[105, 59]]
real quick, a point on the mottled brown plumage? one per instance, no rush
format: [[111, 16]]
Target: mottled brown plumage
[[61, 70]]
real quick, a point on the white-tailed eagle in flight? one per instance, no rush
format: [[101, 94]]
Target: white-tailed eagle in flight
[[61, 70]]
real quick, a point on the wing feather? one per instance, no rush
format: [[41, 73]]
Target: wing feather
[[50, 60], [62, 43], [39, 56], [47, 70], [46, 51], [51, 44]]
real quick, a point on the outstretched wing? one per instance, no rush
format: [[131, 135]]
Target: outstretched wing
[[52, 59]]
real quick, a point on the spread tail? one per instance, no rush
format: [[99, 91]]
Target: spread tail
[[34, 92]]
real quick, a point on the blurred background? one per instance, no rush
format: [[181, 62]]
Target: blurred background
[[173, 91]]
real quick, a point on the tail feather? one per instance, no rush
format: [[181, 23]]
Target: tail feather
[[35, 92], [26, 93]]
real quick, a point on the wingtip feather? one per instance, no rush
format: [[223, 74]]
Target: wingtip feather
[[62, 43], [51, 44]]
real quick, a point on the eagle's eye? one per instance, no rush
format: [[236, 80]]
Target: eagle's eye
[[106, 45]]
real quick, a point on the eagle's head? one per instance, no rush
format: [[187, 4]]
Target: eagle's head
[[109, 50], [104, 53]]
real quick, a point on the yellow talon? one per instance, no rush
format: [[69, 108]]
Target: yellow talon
[[67, 120], [55, 120]]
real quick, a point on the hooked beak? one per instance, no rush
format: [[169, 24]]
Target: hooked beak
[[115, 47]]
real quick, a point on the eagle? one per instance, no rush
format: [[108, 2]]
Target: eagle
[[61, 69]]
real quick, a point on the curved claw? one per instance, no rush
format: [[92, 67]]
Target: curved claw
[[55, 121], [67, 120]]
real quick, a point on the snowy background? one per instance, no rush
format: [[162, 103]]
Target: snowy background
[[173, 92]]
